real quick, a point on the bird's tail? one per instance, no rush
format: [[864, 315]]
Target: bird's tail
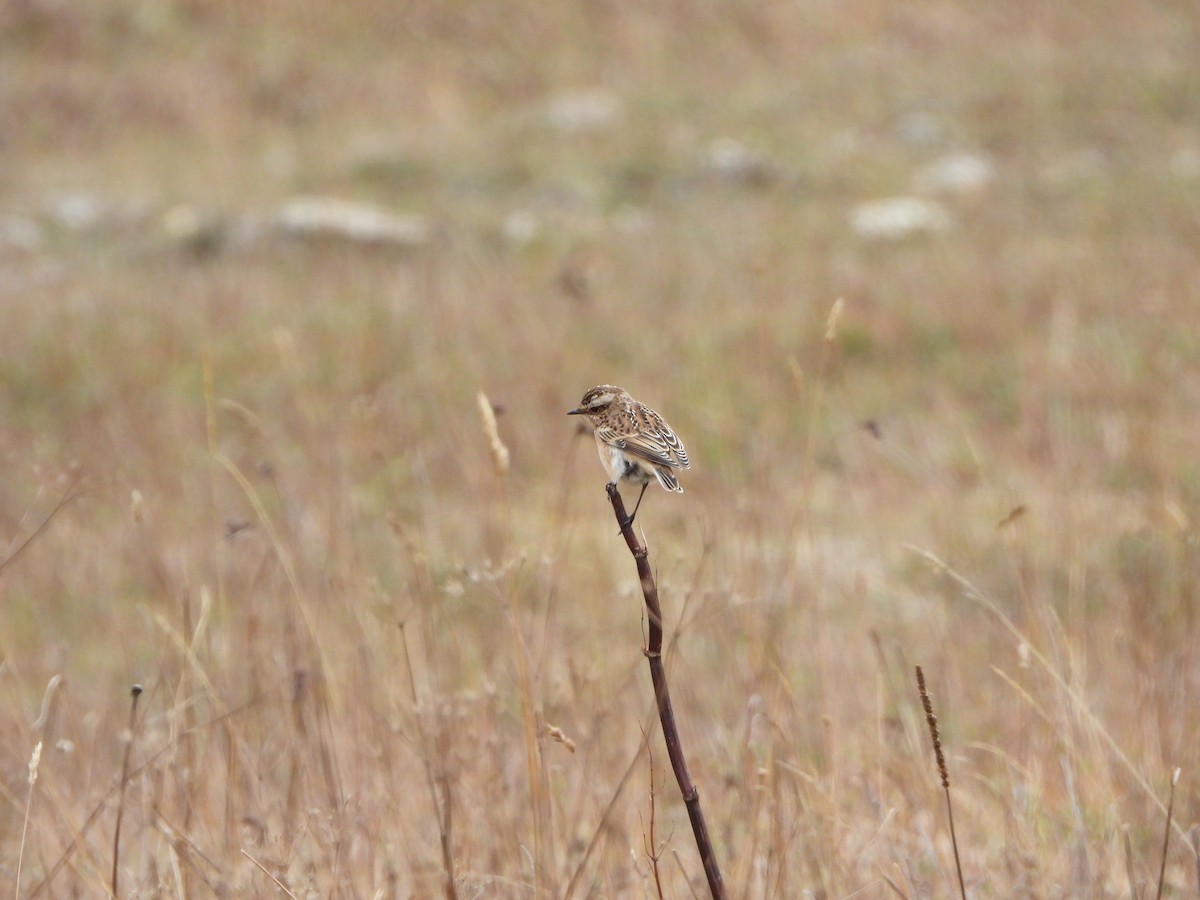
[[667, 479]]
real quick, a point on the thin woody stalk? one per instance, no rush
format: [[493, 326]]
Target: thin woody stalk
[[666, 714]]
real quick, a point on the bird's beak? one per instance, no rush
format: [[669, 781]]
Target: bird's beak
[[577, 412]]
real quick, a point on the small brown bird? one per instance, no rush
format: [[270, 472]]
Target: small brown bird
[[635, 443]]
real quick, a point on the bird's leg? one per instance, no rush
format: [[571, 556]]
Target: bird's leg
[[628, 522]]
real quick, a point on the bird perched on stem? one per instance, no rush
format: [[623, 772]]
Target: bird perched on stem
[[635, 443]]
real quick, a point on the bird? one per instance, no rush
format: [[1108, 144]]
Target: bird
[[634, 442]]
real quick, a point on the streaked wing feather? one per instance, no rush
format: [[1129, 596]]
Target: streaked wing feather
[[655, 425], [653, 448], [672, 441], [637, 445]]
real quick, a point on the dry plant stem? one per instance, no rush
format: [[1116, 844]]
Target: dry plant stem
[[20, 548], [943, 772], [279, 884], [1133, 891], [605, 817], [666, 714], [135, 692], [954, 843], [445, 829], [438, 781], [652, 843], [1162, 869], [893, 886], [1195, 836], [34, 760], [81, 832], [1077, 701]]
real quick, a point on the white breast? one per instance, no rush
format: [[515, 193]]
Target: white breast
[[612, 459]]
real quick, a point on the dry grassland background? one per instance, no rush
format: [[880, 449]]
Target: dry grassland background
[[258, 260]]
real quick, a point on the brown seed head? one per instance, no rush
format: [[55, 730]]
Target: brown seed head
[[931, 721]]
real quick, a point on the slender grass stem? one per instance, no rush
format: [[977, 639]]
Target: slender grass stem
[[943, 772], [135, 692]]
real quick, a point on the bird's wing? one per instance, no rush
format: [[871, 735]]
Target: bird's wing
[[663, 439], [676, 446], [660, 448]]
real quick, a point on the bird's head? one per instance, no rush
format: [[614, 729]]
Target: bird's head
[[597, 400]]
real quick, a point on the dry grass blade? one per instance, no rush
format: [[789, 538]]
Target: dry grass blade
[[683, 872], [899, 893], [135, 692], [1195, 841], [1129, 873], [864, 889], [1162, 869], [279, 884], [24, 545], [446, 831], [1071, 693], [34, 760]]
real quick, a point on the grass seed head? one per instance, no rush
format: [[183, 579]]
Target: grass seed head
[[500, 454]]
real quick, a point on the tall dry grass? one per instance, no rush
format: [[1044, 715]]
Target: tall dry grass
[[377, 664]]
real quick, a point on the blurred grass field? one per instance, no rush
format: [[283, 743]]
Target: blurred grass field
[[282, 519]]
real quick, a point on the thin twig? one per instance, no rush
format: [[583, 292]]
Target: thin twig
[[666, 714], [135, 692], [652, 849]]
